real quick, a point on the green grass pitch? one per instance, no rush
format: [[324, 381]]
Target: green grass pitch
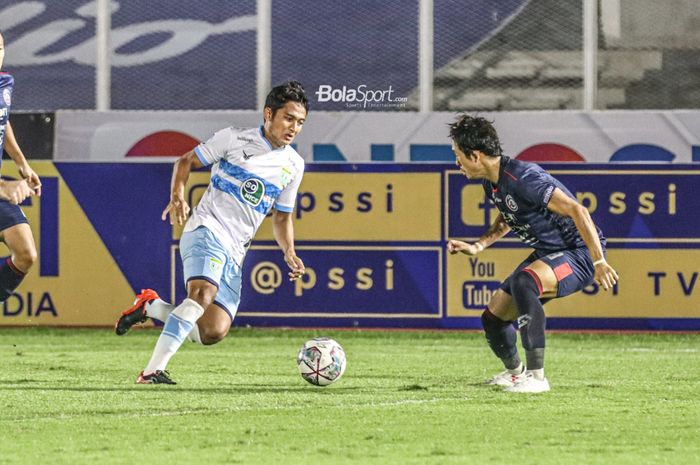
[[68, 397]]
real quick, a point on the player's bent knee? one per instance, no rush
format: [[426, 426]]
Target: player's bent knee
[[502, 306], [25, 259], [202, 292], [491, 322], [210, 335], [524, 282]]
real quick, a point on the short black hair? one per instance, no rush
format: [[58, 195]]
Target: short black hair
[[291, 91], [471, 133]]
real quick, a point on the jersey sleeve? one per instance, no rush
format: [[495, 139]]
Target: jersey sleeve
[[215, 147], [537, 188], [286, 200]]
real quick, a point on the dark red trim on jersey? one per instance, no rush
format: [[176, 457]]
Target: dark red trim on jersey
[[513, 177]]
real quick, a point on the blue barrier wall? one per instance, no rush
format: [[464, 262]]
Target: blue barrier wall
[[373, 240]]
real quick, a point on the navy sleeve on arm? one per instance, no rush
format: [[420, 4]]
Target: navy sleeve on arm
[[537, 188]]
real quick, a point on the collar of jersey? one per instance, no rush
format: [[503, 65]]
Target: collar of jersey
[[504, 162]]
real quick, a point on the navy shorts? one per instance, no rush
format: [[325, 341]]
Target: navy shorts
[[10, 215], [573, 268]]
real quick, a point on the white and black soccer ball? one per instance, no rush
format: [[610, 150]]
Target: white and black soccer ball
[[321, 361]]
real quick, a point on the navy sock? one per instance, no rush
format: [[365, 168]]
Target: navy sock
[[525, 289], [10, 278], [501, 336]]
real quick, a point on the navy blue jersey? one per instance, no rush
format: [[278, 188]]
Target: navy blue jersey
[[6, 83], [521, 195], [10, 215]]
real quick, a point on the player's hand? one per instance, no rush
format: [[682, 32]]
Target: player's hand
[[605, 275], [295, 264], [29, 175], [178, 210], [454, 246], [15, 191]]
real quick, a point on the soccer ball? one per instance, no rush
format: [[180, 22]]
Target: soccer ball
[[321, 361]]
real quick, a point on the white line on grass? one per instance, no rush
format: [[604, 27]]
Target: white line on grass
[[232, 409], [649, 349], [633, 349]]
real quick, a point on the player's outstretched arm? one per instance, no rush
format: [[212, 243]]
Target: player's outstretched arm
[[562, 204], [283, 230], [455, 246], [15, 152], [177, 207], [497, 230]]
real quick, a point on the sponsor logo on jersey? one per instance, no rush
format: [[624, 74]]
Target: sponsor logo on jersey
[[246, 139], [7, 96], [510, 202], [253, 191], [246, 156], [548, 194]]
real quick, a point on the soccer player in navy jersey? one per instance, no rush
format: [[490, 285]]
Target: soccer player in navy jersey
[[255, 172], [569, 249], [14, 228]]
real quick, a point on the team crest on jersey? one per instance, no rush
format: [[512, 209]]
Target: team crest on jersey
[[215, 264], [285, 177], [7, 96], [510, 203], [253, 191]]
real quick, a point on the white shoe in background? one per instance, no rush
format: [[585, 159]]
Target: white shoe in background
[[528, 383], [505, 379]]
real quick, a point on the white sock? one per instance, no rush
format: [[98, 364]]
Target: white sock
[[538, 374], [194, 335], [178, 325], [516, 371], [160, 310]]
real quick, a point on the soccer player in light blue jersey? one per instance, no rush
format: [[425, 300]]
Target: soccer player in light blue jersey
[[255, 171], [569, 250], [14, 228]]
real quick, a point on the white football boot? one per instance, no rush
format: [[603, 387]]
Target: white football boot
[[528, 383], [505, 379]]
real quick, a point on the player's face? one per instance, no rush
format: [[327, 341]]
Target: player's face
[[283, 127], [468, 165]]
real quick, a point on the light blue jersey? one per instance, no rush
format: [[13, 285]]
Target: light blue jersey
[[248, 179]]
